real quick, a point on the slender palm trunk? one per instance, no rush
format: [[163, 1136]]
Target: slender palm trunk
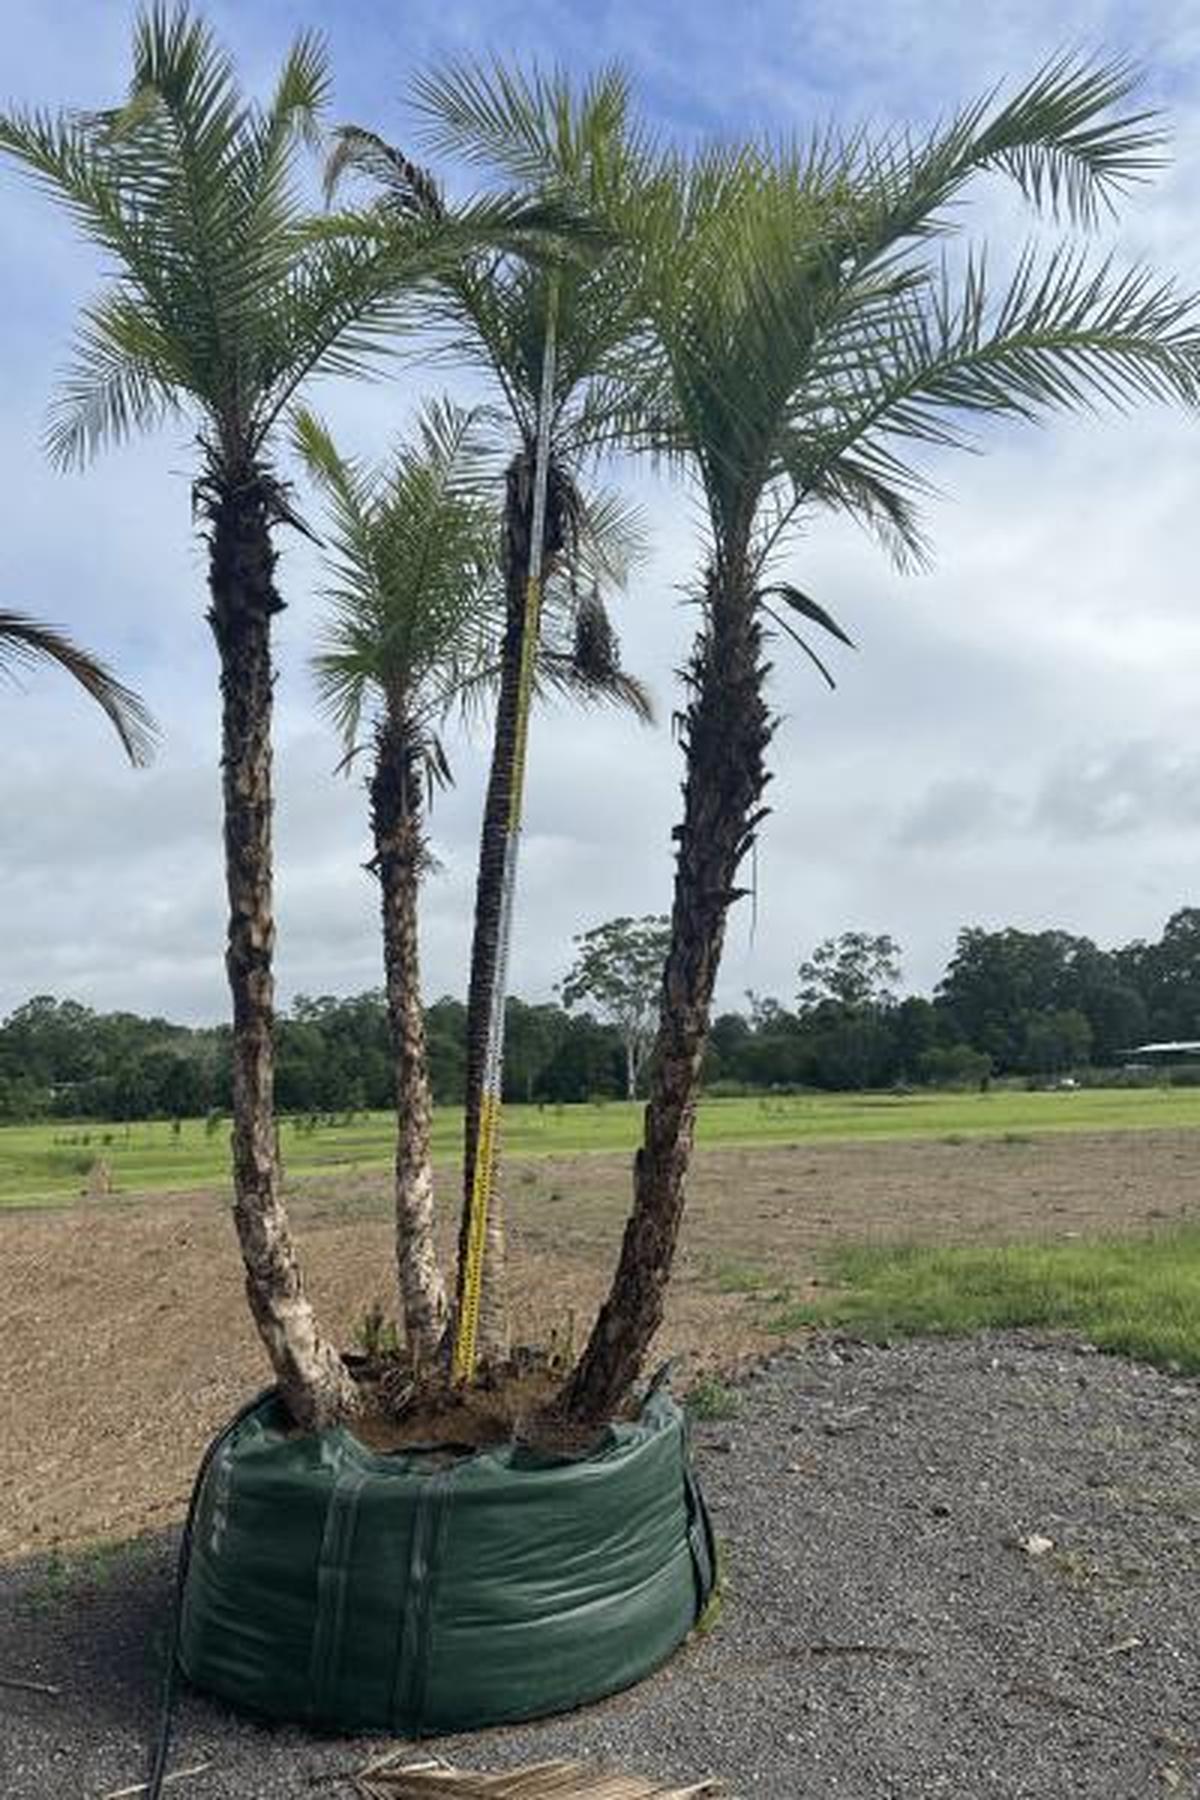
[[396, 823], [311, 1376], [485, 950], [727, 730], [489, 886]]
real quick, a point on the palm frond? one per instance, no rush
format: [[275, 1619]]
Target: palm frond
[[404, 186], [580, 657], [613, 537], [1063, 334], [396, 1777], [294, 114], [415, 601], [75, 166], [1059, 138], [882, 507], [24, 640], [804, 342], [226, 295], [125, 377], [533, 125]]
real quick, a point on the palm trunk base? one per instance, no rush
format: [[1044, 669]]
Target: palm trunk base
[[312, 1379], [313, 1382]]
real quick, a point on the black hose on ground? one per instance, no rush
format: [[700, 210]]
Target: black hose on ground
[[166, 1704]]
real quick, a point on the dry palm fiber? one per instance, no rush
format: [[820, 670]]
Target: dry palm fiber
[[390, 1780]]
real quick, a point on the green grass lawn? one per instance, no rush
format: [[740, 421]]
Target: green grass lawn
[[1136, 1297], [47, 1164]]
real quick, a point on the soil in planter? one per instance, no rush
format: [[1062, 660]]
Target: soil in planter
[[511, 1403]]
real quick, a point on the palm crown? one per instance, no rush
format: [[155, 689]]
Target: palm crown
[[492, 310], [415, 605], [224, 293], [805, 335]]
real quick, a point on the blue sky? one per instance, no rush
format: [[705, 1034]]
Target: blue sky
[[1014, 742]]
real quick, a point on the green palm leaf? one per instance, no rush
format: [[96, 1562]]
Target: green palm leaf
[[415, 607], [25, 641]]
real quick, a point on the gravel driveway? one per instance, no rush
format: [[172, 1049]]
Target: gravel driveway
[[953, 1569]]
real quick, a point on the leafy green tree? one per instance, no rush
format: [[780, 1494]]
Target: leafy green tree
[[953, 1066], [723, 1053], [24, 641], [618, 965], [221, 299], [414, 622], [916, 1031], [1118, 1017], [807, 341], [1167, 975], [446, 1041], [856, 972], [1056, 1041], [533, 1038], [586, 1065], [998, 982]]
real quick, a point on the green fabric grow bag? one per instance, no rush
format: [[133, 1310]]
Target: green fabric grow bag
[[412, 1594]]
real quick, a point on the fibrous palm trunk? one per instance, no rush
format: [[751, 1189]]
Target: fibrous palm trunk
[[485, 950], [726, 733], [312, 1378], [396, 822], [489, 887]]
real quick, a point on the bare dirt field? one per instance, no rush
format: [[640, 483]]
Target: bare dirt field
[[126, 1340]]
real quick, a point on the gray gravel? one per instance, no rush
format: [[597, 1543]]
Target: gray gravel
[[885, 1630]]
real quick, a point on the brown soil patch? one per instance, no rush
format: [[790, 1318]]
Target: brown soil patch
[[501, 1406], [126, 1341]]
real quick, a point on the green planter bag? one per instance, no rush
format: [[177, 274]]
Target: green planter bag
[[417, 1594]]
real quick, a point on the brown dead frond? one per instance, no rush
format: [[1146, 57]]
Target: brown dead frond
[[392, 1779]]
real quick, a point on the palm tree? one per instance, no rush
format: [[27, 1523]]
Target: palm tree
[[223, 297], [417, 625], [24, 640], [413, 627], [497, 312], [807, 340]]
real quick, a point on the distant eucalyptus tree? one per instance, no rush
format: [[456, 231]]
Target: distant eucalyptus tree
[[618, 966]]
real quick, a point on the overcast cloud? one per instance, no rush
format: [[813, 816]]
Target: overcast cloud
[[1013, 742]]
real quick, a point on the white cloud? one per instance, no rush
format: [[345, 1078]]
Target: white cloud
[[1013, 742]]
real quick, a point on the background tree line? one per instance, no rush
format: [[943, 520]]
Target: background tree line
[[1010, 1004]]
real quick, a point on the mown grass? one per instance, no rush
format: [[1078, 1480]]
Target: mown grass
[[1137, 1297], [48, 1163]]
